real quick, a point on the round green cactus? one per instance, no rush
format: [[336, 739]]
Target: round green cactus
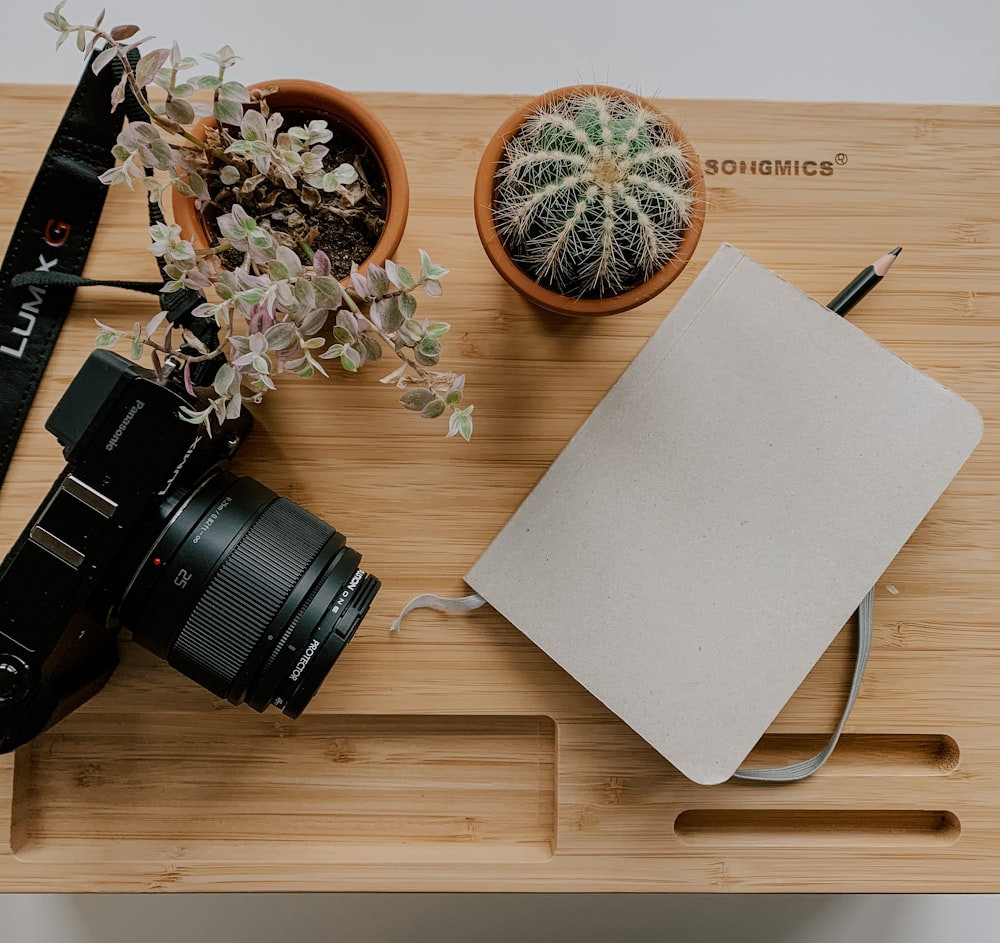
[[594, 194]]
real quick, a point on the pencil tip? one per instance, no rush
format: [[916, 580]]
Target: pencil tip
[[882, 265]]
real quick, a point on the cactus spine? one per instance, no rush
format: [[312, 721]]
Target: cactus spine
[[593, 195]]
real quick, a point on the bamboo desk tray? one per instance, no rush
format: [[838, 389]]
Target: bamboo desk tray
[[456, 756]]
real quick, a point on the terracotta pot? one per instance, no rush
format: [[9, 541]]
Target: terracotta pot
[[298, 95], [515, 276]]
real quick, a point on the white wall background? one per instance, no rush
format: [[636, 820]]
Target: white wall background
[[865, 50]]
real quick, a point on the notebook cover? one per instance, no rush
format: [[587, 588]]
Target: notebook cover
[[713, 524]]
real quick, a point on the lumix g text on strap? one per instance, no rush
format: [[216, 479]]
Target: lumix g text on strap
[[49, 246], [53, 234]]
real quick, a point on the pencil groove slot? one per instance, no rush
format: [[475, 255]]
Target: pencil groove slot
[[864, 754], [810, 827]]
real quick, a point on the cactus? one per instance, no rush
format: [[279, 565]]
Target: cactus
[[594, 194]]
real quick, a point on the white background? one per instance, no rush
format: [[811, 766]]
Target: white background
[[903, 50]]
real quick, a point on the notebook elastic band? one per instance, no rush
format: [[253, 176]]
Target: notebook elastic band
[[441, 603], [772, 774], [787, 774]]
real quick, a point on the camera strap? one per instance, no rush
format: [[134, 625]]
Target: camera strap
[[53, 234], [42, 267]]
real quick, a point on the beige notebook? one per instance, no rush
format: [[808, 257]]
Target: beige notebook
[[711, 527]]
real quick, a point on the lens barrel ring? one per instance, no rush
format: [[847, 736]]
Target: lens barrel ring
[[336, 631], [303, 625], [246, 593]]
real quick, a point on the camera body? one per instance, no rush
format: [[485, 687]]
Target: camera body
[[243, 591], [129, 456]]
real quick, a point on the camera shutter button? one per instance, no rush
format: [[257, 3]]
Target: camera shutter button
[[14, 678]]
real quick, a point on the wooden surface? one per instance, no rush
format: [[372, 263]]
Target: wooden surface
[[456, 756]]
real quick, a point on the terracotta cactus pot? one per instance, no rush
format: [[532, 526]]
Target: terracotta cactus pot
[[515, 276]]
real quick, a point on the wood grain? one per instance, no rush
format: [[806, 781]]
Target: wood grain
[[456, 755]]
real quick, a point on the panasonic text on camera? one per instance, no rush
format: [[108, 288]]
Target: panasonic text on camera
[[120, 431]]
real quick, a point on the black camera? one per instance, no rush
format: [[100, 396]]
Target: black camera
[[243, 591]]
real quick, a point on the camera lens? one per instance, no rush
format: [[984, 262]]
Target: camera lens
[[248, 594]]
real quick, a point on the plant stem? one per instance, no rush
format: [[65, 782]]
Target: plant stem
[[189, 358], [140, 96], [421, 372]]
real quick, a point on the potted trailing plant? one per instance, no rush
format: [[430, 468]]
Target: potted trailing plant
[[589, 200], [285, 220], [360, 211]]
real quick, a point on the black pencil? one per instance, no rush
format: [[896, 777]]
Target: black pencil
[[863, 282]]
